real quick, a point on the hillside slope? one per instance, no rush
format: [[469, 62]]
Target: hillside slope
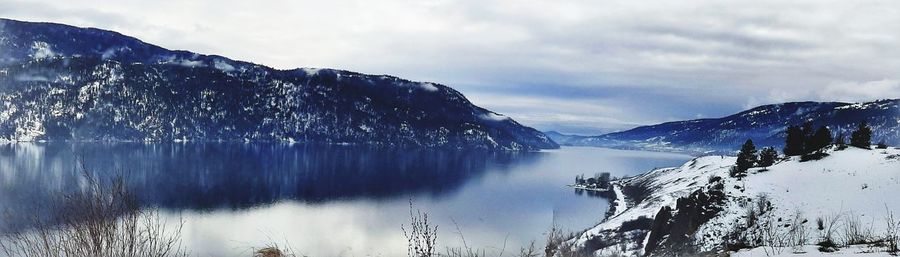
[[763, 211], [764, 124], [81, 84]]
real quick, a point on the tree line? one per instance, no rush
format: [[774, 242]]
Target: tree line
[[801, 141]]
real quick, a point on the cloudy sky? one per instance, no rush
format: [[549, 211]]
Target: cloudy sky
[[577, 66]]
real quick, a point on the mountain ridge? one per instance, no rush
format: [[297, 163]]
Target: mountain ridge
[[85, 84], [764, 124]]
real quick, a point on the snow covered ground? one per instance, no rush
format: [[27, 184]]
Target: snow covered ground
[[811, 251], [849, 186]]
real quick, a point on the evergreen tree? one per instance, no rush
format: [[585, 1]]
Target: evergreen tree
[[767, 157], [862, 136], [808, 134], [819, 140], [746, 159], [793, 141], [839, 140]]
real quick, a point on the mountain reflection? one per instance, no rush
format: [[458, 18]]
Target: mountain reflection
[[207, 176]]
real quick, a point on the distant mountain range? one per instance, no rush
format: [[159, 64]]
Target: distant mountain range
[[764, 124], [59, 82]]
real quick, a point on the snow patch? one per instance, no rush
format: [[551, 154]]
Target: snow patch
[[310, 71], [29, 131], [430, 87], [223, 66], [811, 250], [183, 62], [32, 77], [112, 51], [7, 112], [41, 50], [190, 63]]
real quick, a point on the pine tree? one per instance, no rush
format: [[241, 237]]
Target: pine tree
[[862, 136], [808, 134], [839, 141], [819, 140], [767, 157], [793, 141], [746, 159]]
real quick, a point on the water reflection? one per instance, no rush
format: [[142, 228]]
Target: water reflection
[[594, 193], [239, 176]]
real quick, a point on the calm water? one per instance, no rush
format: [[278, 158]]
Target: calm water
[[329, 200]]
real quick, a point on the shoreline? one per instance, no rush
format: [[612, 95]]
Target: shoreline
[[614, 195]]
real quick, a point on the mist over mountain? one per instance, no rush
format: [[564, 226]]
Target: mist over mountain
[[764, 124], [82, 84]]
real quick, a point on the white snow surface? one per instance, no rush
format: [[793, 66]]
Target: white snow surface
[[811, 251], [670, 184], [852, 182]]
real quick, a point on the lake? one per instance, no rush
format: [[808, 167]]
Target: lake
[[329, 200]]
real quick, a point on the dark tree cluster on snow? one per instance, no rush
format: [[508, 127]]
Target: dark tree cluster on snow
[[862, 136], [748, 158], [767, 157], [805, 140], [809, 143]]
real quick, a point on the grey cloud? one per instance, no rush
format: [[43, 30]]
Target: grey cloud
[[648, 61]]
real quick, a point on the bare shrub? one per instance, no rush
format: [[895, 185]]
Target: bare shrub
[[421, 236], [529, 251], [554, 240], [770, 236], [827, 226], [558, 244], [798, 235], [465, 250], [892, 233], [855, 232], [100, 220], [758, 229], [762, 228]]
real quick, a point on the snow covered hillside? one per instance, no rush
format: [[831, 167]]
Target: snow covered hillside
[[845, 198], [59, 82], [764, 124]]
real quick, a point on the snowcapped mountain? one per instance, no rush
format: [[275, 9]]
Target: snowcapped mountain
[[764, 124], [794, 206], [59, 82]]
